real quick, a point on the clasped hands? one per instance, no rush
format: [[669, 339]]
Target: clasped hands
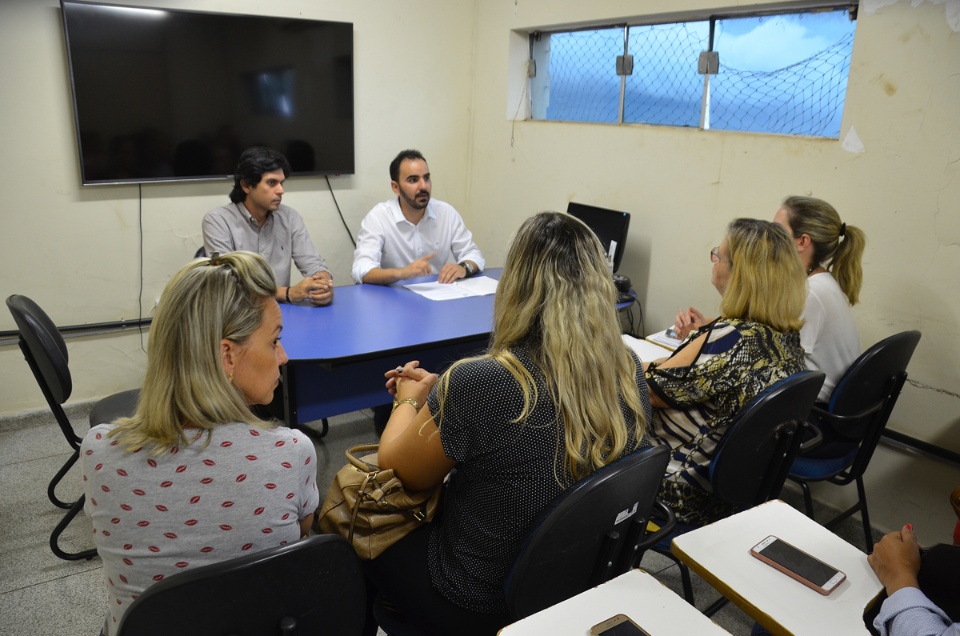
[[317, 289], [896, 560], [410, 382]]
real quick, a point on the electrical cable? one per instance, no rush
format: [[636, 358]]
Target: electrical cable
[[339, 211]]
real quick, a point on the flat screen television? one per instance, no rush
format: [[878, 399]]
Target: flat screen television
[[171, 95], [608, 225]]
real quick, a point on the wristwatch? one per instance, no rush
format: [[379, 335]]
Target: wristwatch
[[468, 268]]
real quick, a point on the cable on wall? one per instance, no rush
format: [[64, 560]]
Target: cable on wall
[[339, 211]]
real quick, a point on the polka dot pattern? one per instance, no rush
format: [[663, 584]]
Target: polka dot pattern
[[154, 516], [504, 479]]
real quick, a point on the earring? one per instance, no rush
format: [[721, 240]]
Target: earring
[[230, 378]]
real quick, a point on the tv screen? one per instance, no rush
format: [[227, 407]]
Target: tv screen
[[170, 95], [608, 225]]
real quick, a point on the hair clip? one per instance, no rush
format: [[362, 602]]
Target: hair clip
[[843, 229], [215, 259]]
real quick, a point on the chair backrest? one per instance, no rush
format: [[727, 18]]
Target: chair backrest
[[46, 354], [590, 533], [755, 454], [868, 391], [312, 586]]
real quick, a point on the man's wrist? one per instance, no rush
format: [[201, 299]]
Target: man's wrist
[[468, 269]]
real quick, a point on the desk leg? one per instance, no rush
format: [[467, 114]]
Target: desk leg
[[290, 405]]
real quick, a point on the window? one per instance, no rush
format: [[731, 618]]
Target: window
[[782, 73]]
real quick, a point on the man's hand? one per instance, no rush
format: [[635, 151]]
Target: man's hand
[[896, 560], [451, 272], [419, 267], [317, 289]]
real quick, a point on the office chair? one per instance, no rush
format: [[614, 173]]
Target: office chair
[[751, 462], [46, 354], [853, 422], [590, 533], [311, 586]]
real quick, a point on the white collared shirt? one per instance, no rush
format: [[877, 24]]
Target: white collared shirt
[[388, 240]]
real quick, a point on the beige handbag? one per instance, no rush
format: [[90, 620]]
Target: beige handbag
[[370, 508]]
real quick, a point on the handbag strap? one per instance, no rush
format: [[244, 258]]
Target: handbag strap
[[356, 507], [353, 451]]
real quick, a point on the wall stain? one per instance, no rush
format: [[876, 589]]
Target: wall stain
[[889, 88]]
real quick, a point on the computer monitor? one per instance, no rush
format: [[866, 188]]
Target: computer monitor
[[608, 225]]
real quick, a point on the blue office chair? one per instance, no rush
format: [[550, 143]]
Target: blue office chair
[[852, 423], [311, 586], [46, 354], [593, 531], [751, 462]]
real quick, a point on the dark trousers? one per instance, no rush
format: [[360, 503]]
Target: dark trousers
[[401, 578]]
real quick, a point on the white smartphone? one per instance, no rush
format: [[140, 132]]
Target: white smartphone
[[619, 625], [798, 565]]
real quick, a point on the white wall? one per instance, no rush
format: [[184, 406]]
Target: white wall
[[75, 250], [683, 186]]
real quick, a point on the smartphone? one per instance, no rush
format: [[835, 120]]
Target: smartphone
[[798, 565], [619, 625]]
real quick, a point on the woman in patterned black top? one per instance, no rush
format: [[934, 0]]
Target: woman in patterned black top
[[755, 342], [557, 396]]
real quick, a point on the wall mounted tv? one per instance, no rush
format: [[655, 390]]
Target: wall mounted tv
[[171, 95]]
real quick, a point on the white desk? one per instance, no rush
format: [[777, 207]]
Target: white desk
[[720, 553], [637, 594]]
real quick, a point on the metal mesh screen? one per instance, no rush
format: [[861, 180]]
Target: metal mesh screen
[[802, 97]]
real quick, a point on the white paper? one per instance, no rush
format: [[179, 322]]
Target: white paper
[[851, 142], [462, 288], [661, 338], [646, 350]]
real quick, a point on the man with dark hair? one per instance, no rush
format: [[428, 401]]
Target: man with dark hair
[[413, 235], [256, 221]]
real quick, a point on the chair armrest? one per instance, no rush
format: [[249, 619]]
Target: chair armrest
[[665, 521], [813, 442]]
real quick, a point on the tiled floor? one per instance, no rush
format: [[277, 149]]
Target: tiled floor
[[41, 595]]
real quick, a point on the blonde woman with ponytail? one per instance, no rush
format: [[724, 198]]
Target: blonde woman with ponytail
[[556, 396], [830, 251]]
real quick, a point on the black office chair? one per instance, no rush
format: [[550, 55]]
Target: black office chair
[[201, 252], [311, 586], [751, 462], [46, 354], [853, 422], [592, 532]]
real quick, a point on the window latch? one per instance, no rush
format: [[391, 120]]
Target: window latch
[[624, 65], [709, 63]]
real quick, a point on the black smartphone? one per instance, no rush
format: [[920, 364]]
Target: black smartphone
[[798, 565], [619, 625]]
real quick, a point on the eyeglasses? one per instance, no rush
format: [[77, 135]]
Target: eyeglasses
[[715, 255]]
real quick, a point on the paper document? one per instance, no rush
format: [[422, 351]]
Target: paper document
[[646, 350], [462, 288], [662, 339]]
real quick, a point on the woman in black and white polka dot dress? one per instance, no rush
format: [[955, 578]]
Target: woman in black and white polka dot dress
[[557, 396]]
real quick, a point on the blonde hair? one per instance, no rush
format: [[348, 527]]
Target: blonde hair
[[556, 299], [836, 246], [208, 300], [767, 283]]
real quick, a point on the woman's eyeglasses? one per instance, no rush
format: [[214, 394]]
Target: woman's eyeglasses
[[715, 255]]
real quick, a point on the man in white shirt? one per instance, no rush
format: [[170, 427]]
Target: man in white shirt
[[413, 235]]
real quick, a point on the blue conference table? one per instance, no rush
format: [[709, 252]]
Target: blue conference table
[[339, 353]]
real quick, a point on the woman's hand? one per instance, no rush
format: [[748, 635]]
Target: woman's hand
[[688, 320], [410, 381], [896, 560]]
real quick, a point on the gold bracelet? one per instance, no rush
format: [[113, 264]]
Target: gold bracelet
[[410, 401]]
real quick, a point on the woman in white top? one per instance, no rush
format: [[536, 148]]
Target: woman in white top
[[831, 252]]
